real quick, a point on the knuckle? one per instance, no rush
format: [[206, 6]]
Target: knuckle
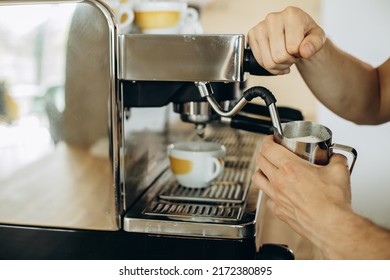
[[271, 17], [269, 64], [290, 172], [258, 28], [292, 48], [291, 11], [289, 167], [342, 165], [280, 57], [252, 32], [265, 147], [258, 159]]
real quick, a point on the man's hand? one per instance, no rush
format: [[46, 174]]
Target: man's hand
[[283, 38]]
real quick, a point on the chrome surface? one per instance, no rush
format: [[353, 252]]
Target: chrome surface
[[213, 58], [221, 210], [198, 212], [205, 90], [83, 75], [316, 150], [198, 112], [275, 118], [218, 192]]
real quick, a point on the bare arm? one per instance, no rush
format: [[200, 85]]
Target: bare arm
[[349, 87], [336, 78]]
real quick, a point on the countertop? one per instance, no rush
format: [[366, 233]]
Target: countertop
[[63, 190]]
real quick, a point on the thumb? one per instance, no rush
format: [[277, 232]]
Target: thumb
[[338, 159], [312, 43]]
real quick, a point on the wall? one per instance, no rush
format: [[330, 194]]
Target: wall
[[361, 28]]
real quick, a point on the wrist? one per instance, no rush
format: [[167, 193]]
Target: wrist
[[333, 230], [351, 236], [319, 57]]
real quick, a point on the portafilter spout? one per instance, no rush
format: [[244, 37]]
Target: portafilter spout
[[206, 90]]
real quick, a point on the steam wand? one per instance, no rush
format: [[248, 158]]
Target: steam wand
[[206, 90]]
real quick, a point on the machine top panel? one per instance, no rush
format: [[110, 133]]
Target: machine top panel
[[214, 58]]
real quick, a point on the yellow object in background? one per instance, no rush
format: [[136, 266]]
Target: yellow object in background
[[157, 19], [9, 109]]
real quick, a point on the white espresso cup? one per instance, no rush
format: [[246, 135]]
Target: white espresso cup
[[163, 17], [124, 15], [196, 164]]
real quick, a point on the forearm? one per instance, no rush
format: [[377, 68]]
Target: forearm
[[344, 84], [353, 237]]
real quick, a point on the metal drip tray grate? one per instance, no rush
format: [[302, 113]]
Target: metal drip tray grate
[[231, 187], [199, 212]]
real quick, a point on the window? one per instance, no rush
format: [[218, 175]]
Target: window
[[32, 71]]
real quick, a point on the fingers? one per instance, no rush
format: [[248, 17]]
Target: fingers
[[338, 168], [276, 154], [304, 37], [275, 25], [262, 183], [294, 29], [312, 43], [267, 42], [284, 37], [338, 159], [284, 206], [266, 166]]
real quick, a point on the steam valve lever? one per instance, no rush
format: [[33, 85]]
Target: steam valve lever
[[205, 90]]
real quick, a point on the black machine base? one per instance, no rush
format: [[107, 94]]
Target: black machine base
[[32, 243]]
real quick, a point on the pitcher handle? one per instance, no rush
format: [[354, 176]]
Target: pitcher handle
[[347, 149]]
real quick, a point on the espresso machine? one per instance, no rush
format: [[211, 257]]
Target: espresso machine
[[202, 77]]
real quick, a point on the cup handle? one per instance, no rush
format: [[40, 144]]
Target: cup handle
[[190, 22], [128, 19], [192, 14], [217, 166], [347, 149]]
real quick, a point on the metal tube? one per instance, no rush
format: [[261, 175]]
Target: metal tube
[[275, 118], [205, 90], [237, 108]]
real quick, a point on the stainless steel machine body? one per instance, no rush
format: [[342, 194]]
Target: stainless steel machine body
[[187, 57]]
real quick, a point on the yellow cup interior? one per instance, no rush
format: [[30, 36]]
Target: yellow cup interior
[[180, 166], [157, 19]]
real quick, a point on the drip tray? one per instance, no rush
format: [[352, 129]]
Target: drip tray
[[198, 212], [231, 187], [220, 210]]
